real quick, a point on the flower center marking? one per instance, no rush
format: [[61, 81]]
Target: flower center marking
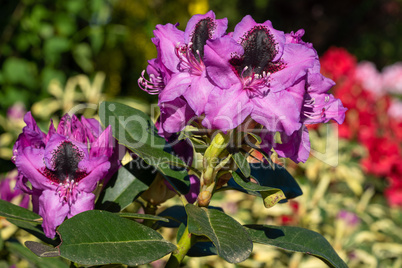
[[202, 32]]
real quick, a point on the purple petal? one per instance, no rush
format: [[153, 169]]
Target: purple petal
[[326, 107], [217, 54], [247, 23], [92, 128], [174, 116], [192, 195], [30, 164], [178, 84], [51, 131], [53, 212], [197, 94], [226, 108], [295, 146], [103, 145], [220, 25], [297, 59], [166, 38], [96, 169], [318, 83], [85, 201], [31, 136], [277, 112], [53, 146]]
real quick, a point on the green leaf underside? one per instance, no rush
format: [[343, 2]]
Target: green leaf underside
[[14, 212], [229, 236], [242, 164], [271, 196], [296, 239], [123, 190], [135, 130], [99, 237], [277, 177], [142, 216], [35, 261], [42, 250]]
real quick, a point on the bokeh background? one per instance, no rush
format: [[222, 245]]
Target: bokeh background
[[56, 55]]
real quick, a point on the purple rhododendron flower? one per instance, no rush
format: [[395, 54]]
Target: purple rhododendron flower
[[256, 73], [178, 74], [63, 166], [252, 70]]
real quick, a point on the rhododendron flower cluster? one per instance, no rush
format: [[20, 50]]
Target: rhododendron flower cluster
[[370, 96], [64, 166], [254, 74]]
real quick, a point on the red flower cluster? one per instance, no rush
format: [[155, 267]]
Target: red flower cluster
[[367, 120]]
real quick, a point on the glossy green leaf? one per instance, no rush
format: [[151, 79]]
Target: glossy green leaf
[[271, 196], [276, 177], [33, 259], [25, 219], [142, 216], [296, 239], [98, 237], [242, 164], [11, 211], [135, 130], [124, 188], [229, 237]]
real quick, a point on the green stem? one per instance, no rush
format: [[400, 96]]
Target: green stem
[[184, 245]]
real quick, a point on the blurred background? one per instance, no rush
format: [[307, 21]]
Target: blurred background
[[60, 55]]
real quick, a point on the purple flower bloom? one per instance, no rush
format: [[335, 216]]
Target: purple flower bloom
[[178, 74], [63, 166], [252, 69], [313, 104]]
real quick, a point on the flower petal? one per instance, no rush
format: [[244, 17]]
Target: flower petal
[[85, 201], [103, 145], [226, 108], [92, 128], [217, 54], [247, 23], [176, 87], [166, 38], [96, 169], [174, 116], [53, 211], [277, 112], [219, 29], [197, 94], [297, 59], [30, 164], [295, 146]]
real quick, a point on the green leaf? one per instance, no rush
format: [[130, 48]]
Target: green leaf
[[296, 239], [135, 130], [242, 164], [229, 237], [123, 189], [25, 253], [276, 177], [25, 219], [271, 196], [142, 216], [11, 211], [42, 250], [98, 237]]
